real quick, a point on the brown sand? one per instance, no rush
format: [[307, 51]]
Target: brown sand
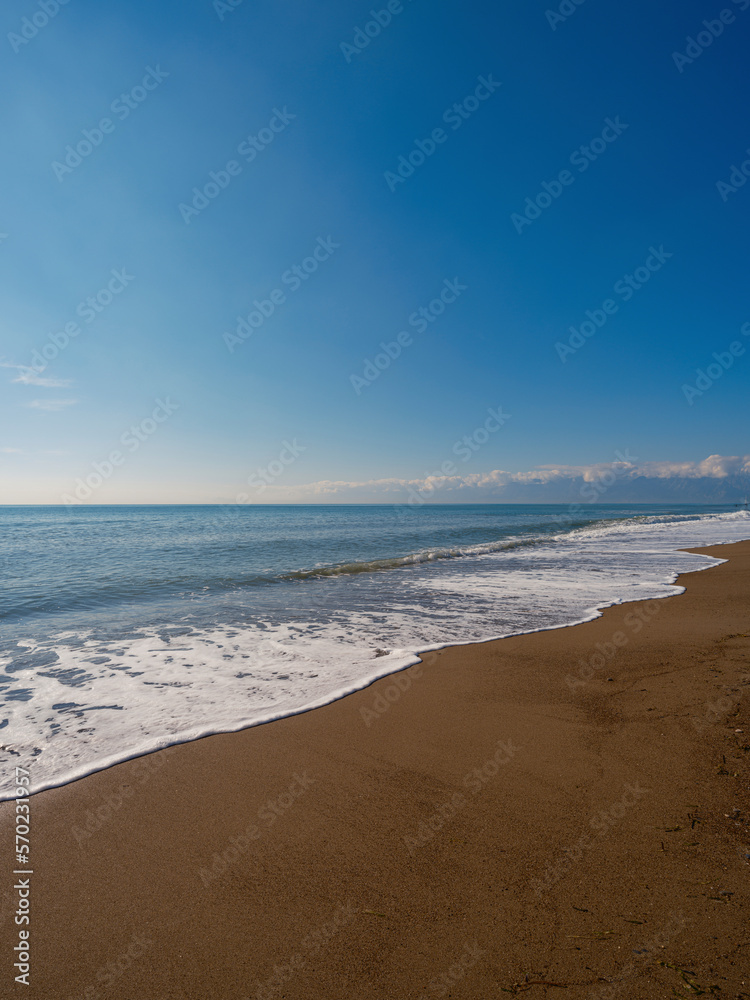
[[604, 847]]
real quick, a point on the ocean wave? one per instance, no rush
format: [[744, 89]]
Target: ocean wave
[[413, 558], [573, 528]]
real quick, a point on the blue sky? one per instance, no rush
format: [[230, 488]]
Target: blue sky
[[199, 78]]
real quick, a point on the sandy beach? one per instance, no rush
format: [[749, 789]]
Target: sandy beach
[[564, 813]]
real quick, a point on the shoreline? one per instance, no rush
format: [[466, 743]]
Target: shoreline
[[416, 657], [481, 821]]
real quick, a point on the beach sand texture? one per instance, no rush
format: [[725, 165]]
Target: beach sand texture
[[560, 814]]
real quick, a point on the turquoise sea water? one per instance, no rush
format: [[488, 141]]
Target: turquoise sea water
[[123, 629]]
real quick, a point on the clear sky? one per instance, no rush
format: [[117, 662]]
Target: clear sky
[[116, 116]]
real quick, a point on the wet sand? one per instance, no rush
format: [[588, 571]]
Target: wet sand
[[562, 814]]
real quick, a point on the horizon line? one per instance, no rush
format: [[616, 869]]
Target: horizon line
[[404, 503]]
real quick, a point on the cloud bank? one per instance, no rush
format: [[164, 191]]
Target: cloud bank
[[718, 478]]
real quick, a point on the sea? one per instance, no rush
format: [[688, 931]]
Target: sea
[[124, 629]]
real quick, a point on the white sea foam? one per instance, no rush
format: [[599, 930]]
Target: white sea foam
[[80, 702]]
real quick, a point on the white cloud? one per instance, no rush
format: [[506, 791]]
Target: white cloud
[[51, 404], [714, 467], [461, 487], [30, 376]]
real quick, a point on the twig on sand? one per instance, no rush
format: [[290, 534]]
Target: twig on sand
[[517, 988]]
